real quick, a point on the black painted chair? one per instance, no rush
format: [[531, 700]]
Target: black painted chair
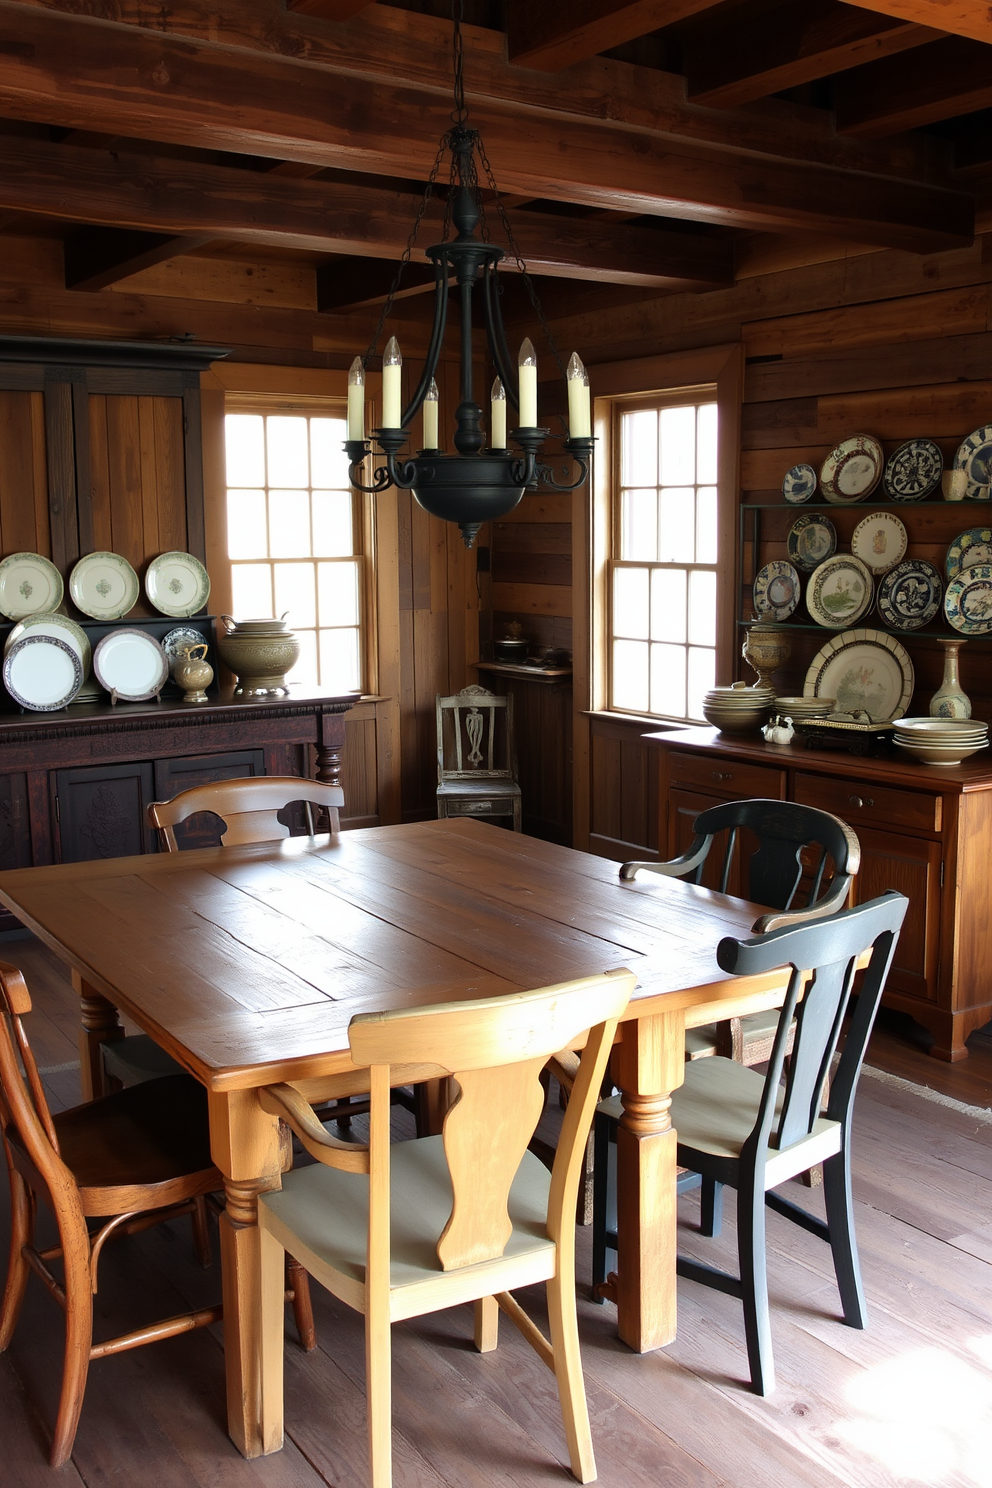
[[751, 1131]]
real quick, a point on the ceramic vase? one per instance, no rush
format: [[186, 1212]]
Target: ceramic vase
[[765, 649], [949, 701]]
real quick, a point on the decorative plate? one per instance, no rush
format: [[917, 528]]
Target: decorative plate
[[840, 592], [967, 549], [968, 600], [812, 538], [974, 457], [913, 471], [59, 626], [880, 541], [853, 470], [175, 643], [104, 586], [777, 590], [177, 584], [910, 594], [42, 673], [863, 669], [132, 664], [799, 483], [29, 585]]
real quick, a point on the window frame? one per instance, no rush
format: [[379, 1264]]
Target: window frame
[[363, 516]]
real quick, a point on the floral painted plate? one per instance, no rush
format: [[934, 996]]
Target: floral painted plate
[[967, 549], [913, 471], [840, 591], [104, 586], [853, 470], [29, 585], [910, 594], [968, 601], [799, 483], [863, 669], [812, 538], [880, 541], [776, 590], [974, 457], [177, 584]]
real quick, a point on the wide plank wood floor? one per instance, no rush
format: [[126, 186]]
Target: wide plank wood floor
[[907, 1401]]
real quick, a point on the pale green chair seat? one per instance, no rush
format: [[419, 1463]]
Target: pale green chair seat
[[420, 1202]]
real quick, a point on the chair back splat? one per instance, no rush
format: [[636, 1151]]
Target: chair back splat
[[476, 762], [249, 808]]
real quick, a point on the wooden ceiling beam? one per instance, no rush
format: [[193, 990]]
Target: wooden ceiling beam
[[329, 10], [790, 45], [554, 34], [353, 284], [962, 17], [96, 257], [90, 74], [183, 198], [939, 81]]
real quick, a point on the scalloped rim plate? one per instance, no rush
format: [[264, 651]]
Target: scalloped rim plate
[[970, 591], [880, 527], [104, 586], [852, 470], [37, 575], [864, 652], [177, 584], [825, 583], [979, 538], [42, 673], [899, 601]]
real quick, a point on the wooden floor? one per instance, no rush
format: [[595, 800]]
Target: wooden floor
[[907, 1401]]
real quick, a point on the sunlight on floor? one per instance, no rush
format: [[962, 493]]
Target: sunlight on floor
[[927, 1415]]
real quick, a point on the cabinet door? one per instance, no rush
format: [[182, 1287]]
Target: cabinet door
[[101, 811], [175, 775], [911, 865], [15, 830]]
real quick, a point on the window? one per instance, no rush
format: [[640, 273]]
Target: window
[[293, 544], [663, 573]]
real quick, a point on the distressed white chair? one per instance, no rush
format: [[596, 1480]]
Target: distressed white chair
[[476, 764], [400, 1230]]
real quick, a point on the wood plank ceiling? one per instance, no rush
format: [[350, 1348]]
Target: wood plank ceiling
[[270, 154]]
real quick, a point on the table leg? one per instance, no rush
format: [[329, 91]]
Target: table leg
[[100, 1023], [648, 1065], [247, 1147]]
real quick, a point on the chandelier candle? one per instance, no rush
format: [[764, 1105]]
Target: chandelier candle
[[356, 400], [527, 384], [497, 416], [430, 417], [392, 385], [579, 417]]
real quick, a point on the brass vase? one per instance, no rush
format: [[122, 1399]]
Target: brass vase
[[766, 648]]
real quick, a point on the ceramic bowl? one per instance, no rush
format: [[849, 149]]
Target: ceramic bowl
[[937, 754]]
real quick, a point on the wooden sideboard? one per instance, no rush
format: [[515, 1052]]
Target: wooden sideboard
[[75, 785], [925, 831]]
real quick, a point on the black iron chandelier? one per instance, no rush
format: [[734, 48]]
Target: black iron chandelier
[[480, 482]]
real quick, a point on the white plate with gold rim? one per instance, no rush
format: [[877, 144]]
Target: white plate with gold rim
[[104, 586]]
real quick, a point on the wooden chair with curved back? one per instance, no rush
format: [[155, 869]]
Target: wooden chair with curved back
[[128, 1160], [468, 1216]]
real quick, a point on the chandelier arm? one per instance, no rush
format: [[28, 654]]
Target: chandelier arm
[[441, 274], [357, 451], [401, 473], [496, 331], [580, 447]]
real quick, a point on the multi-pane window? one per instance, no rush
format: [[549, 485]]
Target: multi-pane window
[[664, 570], [292, 541]]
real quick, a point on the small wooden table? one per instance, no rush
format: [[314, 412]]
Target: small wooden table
[[247, 963]]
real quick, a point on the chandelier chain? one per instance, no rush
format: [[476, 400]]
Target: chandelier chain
[[460, 111], [410, 244]]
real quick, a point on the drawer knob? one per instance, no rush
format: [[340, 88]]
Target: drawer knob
[[723, 774], [859, 801]]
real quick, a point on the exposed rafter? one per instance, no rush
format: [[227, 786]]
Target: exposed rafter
[[329, 10], [98, 256], [554, 34], [793, 44], [89, 74], [940, 81], [963, 17], [367, 281]]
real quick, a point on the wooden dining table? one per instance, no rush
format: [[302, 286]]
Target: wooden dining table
[[246, 964]]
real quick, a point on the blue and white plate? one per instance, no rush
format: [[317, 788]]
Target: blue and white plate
[[799, 483], [913, 471], [967, 549], [909, 596], [968, 601], [974, 457], [777, 590], [812, 539]]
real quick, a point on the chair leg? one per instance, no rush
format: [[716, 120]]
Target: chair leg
[[754, 1287], [78, 1342], [298, 1287], [564, 1329], [201, 1231], [21, 1232], [843, 1245], [711, 1208], [486, 1324], [604, 1198], [379, 1395]]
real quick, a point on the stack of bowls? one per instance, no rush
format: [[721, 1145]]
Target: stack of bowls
[[940, 741], [738, 709], [804, 707]]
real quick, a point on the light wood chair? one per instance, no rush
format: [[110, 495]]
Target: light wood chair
[[476, 764], [751, 1131], [129, 1160], [469, 1216]]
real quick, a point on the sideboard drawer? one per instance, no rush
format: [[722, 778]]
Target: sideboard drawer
[[727, 778], [857, 801]]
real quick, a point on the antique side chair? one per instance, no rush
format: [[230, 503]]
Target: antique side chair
[[476, 764]]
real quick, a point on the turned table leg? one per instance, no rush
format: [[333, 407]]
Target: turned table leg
[[647, 1065], [99, 1025]]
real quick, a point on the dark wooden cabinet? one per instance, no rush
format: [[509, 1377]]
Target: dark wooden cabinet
[[100, 811], [926, 832], [175, 775], [542, 725]]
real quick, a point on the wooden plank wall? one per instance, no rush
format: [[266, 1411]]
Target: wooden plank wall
[[24, 523], [532, 570]]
